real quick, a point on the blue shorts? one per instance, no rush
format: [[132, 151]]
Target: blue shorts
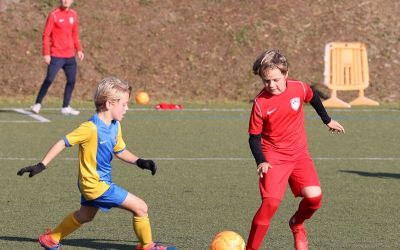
[[113, 197]]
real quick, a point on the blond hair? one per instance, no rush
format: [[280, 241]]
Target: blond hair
[[270, 59], [110, 89]]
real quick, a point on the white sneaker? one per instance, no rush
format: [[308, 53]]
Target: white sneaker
[[36, 108], [69, 111]]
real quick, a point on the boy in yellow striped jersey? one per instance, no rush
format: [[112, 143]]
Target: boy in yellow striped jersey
[[99, 139]]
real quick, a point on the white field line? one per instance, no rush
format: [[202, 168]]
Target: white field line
[[17, 121], [221, 109], [249, 109], [29, 113], [153, 109], [223, 159], [25, 111]]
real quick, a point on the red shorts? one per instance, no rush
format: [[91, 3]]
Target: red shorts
[[300, 173]]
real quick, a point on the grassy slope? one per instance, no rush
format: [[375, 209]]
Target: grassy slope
[[200, 50]]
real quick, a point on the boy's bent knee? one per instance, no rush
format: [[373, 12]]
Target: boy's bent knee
[[135, 205], [141, 210], [314, 202], [85, 216], [311, 191]]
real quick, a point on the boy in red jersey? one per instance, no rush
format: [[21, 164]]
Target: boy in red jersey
[[278, 143], [60, 41]]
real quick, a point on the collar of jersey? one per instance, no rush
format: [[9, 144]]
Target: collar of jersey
[[100, 122]]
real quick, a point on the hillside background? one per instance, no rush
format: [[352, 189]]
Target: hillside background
[[199, 50]]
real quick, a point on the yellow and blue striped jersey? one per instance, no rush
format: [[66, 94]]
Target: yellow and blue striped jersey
[[97, 144]]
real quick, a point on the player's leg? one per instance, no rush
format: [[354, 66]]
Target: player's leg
[[261, 221], [311, 202], [135, 205], [304, 182], [51, 239], [52, 69], [272, 188], [70, 68], [140, 221], [85, 214], [73, 221]]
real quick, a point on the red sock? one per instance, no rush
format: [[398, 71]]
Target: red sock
[[307, 208], [261, 221]]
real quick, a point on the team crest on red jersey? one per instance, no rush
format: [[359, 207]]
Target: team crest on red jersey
[[71, 20], [295, 103]]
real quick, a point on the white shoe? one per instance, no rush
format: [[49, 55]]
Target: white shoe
[[36, 108], [69, 111]]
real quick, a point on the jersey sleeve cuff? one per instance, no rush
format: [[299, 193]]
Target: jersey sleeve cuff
[[120, 151], [67, 144]]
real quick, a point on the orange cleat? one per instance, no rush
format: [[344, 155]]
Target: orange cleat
[[47, 242]]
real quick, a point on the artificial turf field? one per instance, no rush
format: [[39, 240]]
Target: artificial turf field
[[206, 180]]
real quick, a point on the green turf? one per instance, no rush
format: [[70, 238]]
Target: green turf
[[206, 181]]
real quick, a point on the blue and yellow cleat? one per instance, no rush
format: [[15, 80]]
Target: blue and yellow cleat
[[47, 242]]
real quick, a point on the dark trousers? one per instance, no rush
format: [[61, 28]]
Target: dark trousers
[[69, 66]]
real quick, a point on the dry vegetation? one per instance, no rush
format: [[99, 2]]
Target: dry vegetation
[[199, 50]]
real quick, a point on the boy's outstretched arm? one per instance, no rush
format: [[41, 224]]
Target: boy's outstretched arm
[[128, 157], [51, 154], [333, 125]]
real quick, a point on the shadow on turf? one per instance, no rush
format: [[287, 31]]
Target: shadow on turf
[[373, 174], [87, 243]]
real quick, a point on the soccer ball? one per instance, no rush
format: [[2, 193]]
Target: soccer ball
[[142, 98], [227, 240]]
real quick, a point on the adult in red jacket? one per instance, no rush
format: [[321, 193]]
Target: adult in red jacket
[[278, 143], [60, 43]]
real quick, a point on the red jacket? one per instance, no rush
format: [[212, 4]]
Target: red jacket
[[60, 35]]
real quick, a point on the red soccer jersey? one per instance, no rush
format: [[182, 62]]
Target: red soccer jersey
[[280, 121], [60, 36]]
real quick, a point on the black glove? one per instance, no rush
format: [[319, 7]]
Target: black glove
[[147, 164], [33, 170]]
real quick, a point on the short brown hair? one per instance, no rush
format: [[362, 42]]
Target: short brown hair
[[270, 59]]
